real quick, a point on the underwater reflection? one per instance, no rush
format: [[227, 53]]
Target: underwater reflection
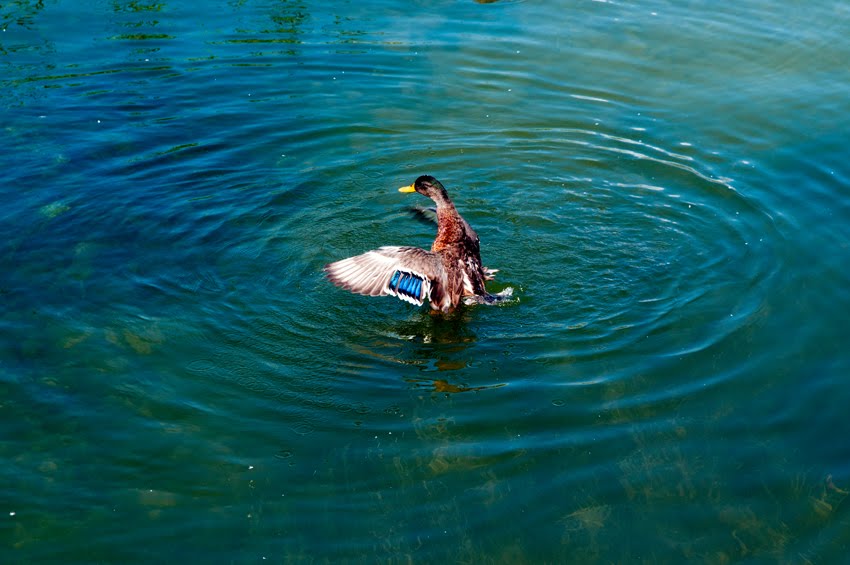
[[436, 342], [432, 328], [430, 344], [441, 385], [441, 343]]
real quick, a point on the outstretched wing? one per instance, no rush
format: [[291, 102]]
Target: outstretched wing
[[403, 272], [425, 213]]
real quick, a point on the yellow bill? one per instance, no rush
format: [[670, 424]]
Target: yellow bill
[[408, 188]]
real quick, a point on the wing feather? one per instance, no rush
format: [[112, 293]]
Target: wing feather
[[372, 273]]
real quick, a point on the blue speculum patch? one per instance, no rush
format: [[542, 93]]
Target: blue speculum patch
[[406, 283]]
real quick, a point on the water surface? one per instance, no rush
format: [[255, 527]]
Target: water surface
[[665, 188]]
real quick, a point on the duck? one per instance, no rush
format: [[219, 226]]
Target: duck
[[449, 274]]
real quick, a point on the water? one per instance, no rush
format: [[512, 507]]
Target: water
[[664, 186]]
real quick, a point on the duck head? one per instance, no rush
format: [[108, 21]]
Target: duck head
[[427, 185]]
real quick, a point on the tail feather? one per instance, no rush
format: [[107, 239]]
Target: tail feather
[[488, 298]]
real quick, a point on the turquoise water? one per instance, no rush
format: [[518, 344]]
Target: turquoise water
[[665, 187]]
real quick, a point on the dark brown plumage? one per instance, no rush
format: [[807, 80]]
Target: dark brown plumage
[[449, 273]]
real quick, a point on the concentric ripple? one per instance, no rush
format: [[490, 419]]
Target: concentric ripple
[[640, 249]]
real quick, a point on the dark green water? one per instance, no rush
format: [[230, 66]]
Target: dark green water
[[665, 187]]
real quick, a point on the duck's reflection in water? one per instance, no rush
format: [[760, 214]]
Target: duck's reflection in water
[[441, 385], [425, 343]]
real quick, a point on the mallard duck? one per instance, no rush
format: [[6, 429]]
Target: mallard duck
[[448, 274]]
